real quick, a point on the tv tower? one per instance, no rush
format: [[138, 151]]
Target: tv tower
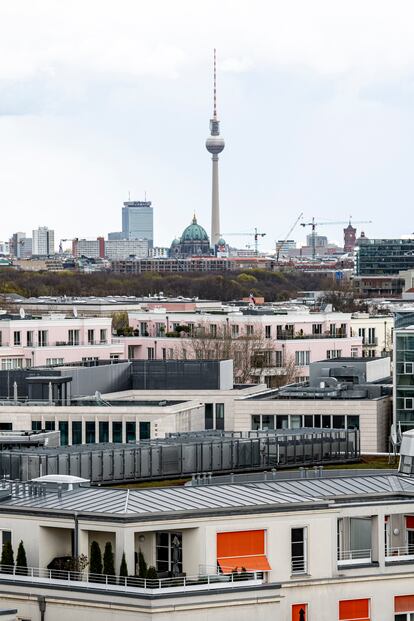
[[215, 145]]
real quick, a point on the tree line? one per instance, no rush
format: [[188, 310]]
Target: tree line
[[273, 286]]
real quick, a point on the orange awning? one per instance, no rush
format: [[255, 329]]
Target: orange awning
[[249, 563]]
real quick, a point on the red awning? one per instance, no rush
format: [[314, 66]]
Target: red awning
[[249, 563]]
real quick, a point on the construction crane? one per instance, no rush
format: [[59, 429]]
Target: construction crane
[[314, 224], [279, 245], [255, 235]]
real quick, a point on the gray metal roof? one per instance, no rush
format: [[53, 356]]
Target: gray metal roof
[[210, 498]]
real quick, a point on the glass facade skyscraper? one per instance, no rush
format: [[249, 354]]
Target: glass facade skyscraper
[[404, 370], [138, 221], [375, 257]]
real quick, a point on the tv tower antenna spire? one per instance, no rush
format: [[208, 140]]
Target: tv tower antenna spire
[[215, 145]]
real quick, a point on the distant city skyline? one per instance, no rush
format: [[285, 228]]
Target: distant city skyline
[[317, 113]]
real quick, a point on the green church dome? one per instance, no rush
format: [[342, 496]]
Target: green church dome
[[194, 232]]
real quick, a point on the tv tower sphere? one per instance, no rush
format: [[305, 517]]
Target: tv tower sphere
[[215, 145]]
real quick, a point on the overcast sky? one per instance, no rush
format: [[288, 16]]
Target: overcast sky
[[99, 98]]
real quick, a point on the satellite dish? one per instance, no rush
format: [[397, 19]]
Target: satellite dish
[[22, 313], [75, 312]]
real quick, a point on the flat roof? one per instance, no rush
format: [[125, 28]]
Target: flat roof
[[167, 502]]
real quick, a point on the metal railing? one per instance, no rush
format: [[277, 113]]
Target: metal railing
[[393, 553], [298, 565], [86, 580], [354, 556], [373, 340]]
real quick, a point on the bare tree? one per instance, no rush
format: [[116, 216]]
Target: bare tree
[[249, 351]]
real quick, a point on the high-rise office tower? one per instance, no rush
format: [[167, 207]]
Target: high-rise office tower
[[138, 221], [43, 242], [215, 145]]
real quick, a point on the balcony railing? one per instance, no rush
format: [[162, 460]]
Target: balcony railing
[[370, 341], [284, 336], [354, 557], [395, 554], [85, 580], [298, 565]]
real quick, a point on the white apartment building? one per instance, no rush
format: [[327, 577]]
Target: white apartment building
[[376, 332], [43, 242], [123, 248], [338, 547]]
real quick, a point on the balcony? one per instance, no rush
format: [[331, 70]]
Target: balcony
[[354, 557], [81, 581], [290, 336], [399, 554], [370, 341]]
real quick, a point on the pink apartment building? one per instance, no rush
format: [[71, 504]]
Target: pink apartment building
[[292, 337], [55, 339]]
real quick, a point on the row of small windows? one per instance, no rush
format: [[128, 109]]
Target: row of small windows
[[40, 338], [263, 422], [91, 434]]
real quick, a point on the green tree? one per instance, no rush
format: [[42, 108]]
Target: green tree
[[95, 563], [142, 565], [7, 557], [123, 570], [152, 573], [108, 560], [120, 321], [21, 560]]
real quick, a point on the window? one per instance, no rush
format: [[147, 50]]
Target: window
[[6, 426], [263, 422], [50, 425], [91, 337], [144, 430], [354, 609], [103, 431], [234, 330], [338, 422], [333, 353], [208, 416], [268, 332], [73, 337], [64, 432], [282, 421], [16, 338], [220, 416], [302, 358], [7, 364], [51, 362], [299, 612], [169, 553], [408, 368], [352, 422], [249, 330], [298, 550], [255, 422], [90, 432], [408, 403], [6, 537], [213, 330], [317, 328], [278, 359], [131, 433], [354, 352], [103, 337], [42, 338], [29, 338], [144, 328], [76, 432], [117, 432], [114, 356], [150, 353], [36, 425]]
